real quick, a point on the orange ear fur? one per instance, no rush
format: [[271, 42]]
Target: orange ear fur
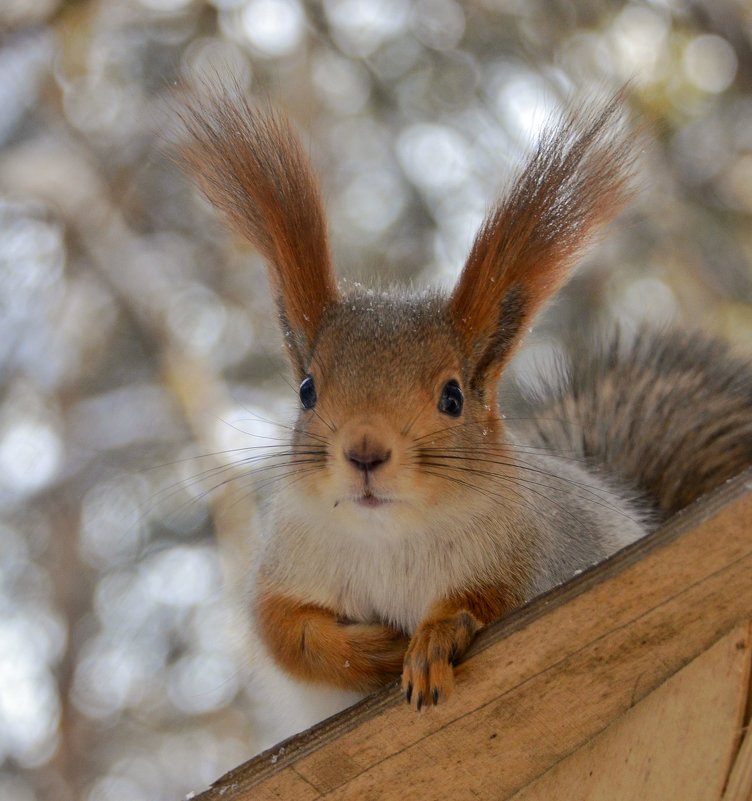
[[576, 180], [251, 165]]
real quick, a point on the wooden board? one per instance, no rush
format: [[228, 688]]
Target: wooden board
[[675, 744], [538, 685], [739, 786], [740, 779]]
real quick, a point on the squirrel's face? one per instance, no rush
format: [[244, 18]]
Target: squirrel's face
[[388, 420], [398, 394]]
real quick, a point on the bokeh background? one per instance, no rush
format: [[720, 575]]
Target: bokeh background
[[137, 337]]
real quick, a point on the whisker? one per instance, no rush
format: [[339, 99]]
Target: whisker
[[529, 483], [477, 424], [329, 424], [443, 430], [505, 448], [286, 426], [284, 464], [210, 455], [599, 497], [295, 469], [521, 502], [298, 473], [165, 493], [409, 426], [318, 414], [514, 481], [519, 464]]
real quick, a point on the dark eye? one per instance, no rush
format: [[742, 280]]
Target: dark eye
[[308, 392], [451, 399]]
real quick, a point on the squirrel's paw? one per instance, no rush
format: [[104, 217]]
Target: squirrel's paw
[[428, 673]]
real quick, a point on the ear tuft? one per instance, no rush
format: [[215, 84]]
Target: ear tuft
[[251, 165], [576, 180]]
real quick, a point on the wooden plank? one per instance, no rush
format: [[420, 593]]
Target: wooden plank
[[739, 785], [555, 673], [553, 713], [676, 743], [290, 787]]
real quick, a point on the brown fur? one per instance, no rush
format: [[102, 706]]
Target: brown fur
[[455, 521], [251, 165], [312, 643], [443, 637], [576, 180], [636, 409]]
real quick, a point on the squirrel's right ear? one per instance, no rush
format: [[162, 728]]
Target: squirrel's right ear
[[251, 165], [576, 180]]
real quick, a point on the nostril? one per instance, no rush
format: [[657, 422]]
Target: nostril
[[367, 460]]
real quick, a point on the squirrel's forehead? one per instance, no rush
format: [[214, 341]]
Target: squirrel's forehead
[[367, 334]]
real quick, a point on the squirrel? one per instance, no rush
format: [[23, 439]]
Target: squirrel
[[418, 514]]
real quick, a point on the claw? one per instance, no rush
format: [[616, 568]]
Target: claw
[[409, 692], [435, 696], [419, 702]]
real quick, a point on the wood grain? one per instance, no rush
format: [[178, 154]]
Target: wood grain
[[540, 684], [676, 743], [739, 787]]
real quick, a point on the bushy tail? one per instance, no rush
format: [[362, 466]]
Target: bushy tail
[[670, 413]]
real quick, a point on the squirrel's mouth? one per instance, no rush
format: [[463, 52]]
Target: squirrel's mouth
[[370, 501]]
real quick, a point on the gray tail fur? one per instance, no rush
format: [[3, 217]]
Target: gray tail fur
[[669, 413]]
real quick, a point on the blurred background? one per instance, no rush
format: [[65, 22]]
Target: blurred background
[[138, 348]]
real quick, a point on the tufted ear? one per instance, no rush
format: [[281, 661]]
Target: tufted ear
[[251, 165], [576, 180]]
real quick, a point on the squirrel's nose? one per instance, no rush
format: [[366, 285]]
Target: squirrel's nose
[[367, 457]]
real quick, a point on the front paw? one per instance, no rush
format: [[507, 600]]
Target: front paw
[[428, 672]]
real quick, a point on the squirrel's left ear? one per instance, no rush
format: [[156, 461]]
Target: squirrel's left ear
[[251, 165], [576, 180]]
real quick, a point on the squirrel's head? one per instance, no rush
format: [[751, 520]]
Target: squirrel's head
[[398, 392], [387, 393]]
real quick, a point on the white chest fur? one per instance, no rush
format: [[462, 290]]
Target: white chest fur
[[386, 564], [369, 566]]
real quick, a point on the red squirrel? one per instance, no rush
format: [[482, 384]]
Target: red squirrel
[[418, 514]]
